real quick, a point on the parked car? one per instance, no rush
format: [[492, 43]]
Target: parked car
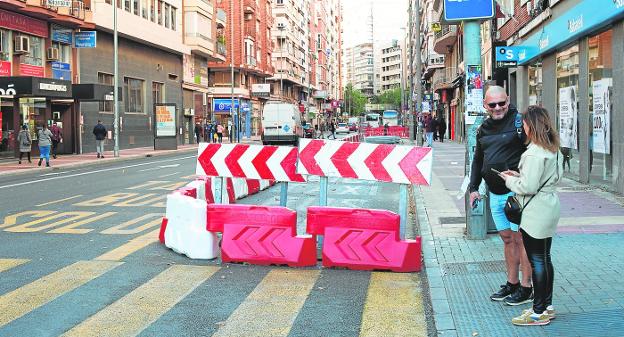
[[352, 127], [281, 123], [308, 131], [342, 128]]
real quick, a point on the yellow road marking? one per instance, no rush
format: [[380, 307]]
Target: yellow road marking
[[59, 201], [21, 301], [11, 220], [148, 198], [107, 199], [148, 184], [6, 264], [132, 246], [30, 227], [71, 228], [169, 187], [121, 228], [394, 306], [271, 309], [134, 312]]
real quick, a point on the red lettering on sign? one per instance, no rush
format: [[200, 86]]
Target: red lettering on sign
[[23, 23]]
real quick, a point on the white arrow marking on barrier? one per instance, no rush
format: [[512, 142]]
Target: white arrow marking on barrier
[[357, 158], [323, 157], [425, 166], [274, 163], [303, 143], [391, 164], [199, 169], [245, 161], [218, 160]]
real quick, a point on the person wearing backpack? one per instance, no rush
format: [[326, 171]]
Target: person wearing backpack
[[25, 143]]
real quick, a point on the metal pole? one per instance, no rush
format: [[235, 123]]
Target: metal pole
[[281, 29], [115, 81], [232, 109], [322, 202], [417, 81], [476, 221], [284, 194], [403, 210]]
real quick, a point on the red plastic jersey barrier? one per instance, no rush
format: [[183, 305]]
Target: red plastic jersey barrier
[[363, 239], [261, 235]]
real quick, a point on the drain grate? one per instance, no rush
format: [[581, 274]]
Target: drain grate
[[451, 220], [474, 267]]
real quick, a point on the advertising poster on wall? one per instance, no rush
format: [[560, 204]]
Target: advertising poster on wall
[[568, 116], [474, 93], [165, 120], [601, 135]]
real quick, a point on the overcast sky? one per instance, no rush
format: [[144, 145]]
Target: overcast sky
[[389, 16]]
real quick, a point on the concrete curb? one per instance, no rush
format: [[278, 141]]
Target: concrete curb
[[95, 162], [443, 318]]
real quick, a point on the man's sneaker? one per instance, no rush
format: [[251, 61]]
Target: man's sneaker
[[528, 317], [520, 296], [505, 290], [550, 310]]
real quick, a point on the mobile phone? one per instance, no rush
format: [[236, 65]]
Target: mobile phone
[[475, 203], [495, 171]]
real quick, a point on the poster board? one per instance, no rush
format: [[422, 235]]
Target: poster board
[[165, 116], [568, 117]]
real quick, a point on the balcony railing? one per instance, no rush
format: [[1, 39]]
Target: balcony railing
[[251, 61], [250, 30], [221, 49], [446, 29]]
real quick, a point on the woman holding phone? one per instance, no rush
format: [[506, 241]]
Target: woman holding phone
[[540, 171]]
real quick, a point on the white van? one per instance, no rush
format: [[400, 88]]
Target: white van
[[281, 123]]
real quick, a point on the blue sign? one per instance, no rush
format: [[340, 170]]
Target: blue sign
[[85, 39], [61, 71], [223, 105], [61, 34], [458, 10], [510, 56], [581, 19], [286, 128]]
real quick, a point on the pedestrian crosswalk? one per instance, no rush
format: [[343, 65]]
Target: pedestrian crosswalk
[[209, 300]]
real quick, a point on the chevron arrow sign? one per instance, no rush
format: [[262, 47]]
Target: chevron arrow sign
[[378, 162], [248, 161]]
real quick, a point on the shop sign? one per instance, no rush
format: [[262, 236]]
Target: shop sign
[[223, 105], [5, 68], [459, 10], [509, 56], [261, 90], [245, 107], [61, 34], [87, 39], [30, 70], [23, 23], [165, 120], [61, 71], [8, 91], [53, 87], [60, 3], [319, 94]]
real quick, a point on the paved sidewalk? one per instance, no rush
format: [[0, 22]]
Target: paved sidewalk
[[588, 257], [11, 166]]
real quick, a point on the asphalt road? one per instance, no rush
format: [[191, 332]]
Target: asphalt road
[[80, 257]]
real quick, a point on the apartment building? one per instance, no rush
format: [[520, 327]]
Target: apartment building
[[38, 68], [391, 62], [248, 41], [364, 68]]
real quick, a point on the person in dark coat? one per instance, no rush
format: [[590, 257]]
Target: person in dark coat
[[25, 143], [197, 130], [100, 135], [441, 128], [56, 137], [434, 126]]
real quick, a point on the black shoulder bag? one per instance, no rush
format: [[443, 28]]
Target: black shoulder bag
[[513, 208]]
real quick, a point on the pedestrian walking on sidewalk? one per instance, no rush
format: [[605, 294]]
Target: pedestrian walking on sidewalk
[[100, 135], [197, 131], [429, 125], [500, 143], [441, 127], [540, 170], [56, 138], [332, 128], [25, 143], [220, 130], [45, 141]]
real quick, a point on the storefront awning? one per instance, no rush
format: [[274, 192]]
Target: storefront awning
[[95, 92], [28, 86]]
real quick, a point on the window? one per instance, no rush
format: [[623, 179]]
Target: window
[[173, 18], [280, 2], [167, 14], [153, 10], [104, 78], [64, 51], [4, 39], [136, 7], [134, 95], [535, 84], [127, 5], [157, 92], [144, 9], [159, 12], [567, 103], [35, 57]]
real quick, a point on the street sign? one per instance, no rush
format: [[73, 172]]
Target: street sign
[[510, 56], [87, 39], [459, 10]]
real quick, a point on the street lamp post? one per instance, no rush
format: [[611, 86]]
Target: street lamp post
[[233, 112], [115, 81]]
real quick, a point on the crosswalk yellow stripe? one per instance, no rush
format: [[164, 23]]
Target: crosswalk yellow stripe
[[134, 312], [6, 264], [21, 301], [394, 306], [132, 246], [271, 309]]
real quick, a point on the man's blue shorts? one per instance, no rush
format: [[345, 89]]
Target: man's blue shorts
[[497, 206]]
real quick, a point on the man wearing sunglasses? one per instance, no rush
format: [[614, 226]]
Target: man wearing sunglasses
[[500, 143]]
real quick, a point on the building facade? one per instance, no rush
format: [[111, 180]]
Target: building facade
[[391, 66], [364, 69]]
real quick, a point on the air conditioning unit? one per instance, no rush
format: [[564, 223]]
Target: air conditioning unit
[[21, 45], [52, 54], [281, 25]]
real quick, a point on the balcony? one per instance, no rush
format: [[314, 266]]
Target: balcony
[[200, 44], [250, 7], [445, 39], [221, 18], [250, 30], [221, 48]]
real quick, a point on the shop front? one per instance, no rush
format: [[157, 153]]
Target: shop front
[[572, 70], [35, 101]]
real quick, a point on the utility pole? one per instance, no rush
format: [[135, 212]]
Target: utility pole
[[115, 81], [417, 81], [233, 111]]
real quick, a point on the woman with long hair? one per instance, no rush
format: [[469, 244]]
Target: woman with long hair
[[540, 171]]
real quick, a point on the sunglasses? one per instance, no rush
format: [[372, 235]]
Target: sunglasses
[[494, 104]]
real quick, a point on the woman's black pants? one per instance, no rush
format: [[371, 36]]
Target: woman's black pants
[[538, 252]]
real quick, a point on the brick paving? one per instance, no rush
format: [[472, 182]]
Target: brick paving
[[588, 257]]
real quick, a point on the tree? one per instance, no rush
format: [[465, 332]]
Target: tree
[[354, 100], [391, 96]]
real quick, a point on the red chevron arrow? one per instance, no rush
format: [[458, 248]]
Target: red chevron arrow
[[241, 240], [339, 159], [260, 162], [267, 241], [205, 159], [408, 165], [289, 164], [373, 162], [344, 245], [371, 246], [306, 157], [231, 160]]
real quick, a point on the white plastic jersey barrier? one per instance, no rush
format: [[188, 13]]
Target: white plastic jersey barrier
[[186, 228], [264, 184], [240, 187]]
